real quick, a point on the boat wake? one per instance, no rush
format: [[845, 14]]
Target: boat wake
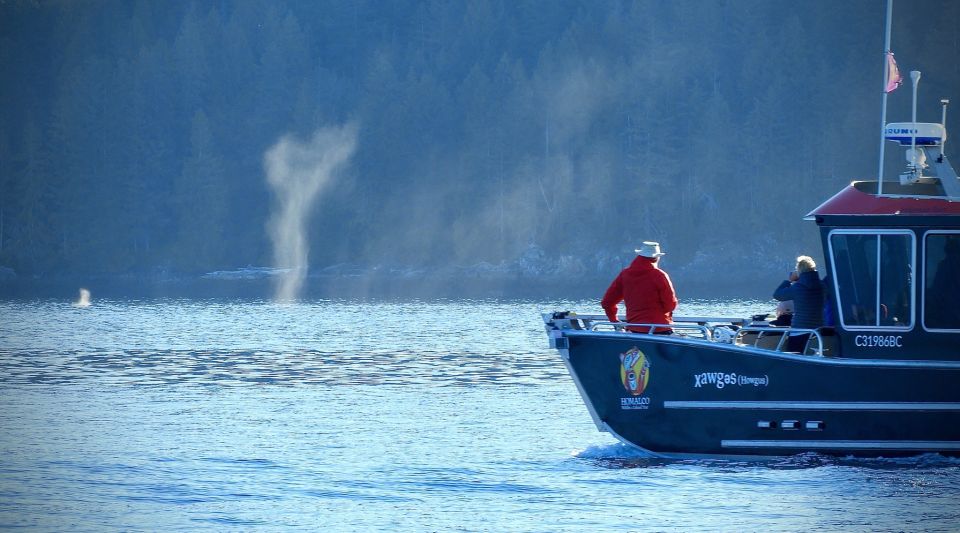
[[616, 450], [927, 460], [619, 455]]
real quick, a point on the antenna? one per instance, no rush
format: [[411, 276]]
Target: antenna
[[943, 122], [915, 78], [920, 137], [886, 75]]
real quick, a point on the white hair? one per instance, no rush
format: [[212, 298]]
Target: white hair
[[805, 264]]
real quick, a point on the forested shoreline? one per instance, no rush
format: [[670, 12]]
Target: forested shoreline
[[489, 132]]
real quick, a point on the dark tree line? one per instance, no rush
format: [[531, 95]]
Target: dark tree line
[[133, 132]]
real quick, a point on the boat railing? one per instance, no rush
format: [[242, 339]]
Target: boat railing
[[678, 328], [735, 331], [757, 335], [707, 328]]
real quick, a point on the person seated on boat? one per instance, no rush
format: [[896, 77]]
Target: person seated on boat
[[645, 290], [806, 291], [784, 314]]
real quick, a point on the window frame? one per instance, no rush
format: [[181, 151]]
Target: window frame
[[877, 233], [923, 294]]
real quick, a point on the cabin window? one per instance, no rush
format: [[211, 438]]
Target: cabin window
[[873, 278], [941, 295]]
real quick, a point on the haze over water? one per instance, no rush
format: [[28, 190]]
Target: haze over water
[[374, 415]]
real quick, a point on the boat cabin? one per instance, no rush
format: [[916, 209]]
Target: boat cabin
[[893, 257]]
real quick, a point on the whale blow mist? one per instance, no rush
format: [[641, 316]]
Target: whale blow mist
[[297, 172], [84, 299]]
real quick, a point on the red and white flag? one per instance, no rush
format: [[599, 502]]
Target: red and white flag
[[893, 74]]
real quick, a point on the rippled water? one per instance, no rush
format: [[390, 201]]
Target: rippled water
[[361, 416]]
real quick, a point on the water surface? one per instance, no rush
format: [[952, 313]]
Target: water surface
[[374, 415]]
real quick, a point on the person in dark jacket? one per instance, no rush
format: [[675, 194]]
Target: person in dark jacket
[[806, 291], [784, 314], [645, 290]]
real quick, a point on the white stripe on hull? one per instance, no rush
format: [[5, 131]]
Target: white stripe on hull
[[910, 445], [816, 406]]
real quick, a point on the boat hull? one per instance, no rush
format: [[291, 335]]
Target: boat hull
[[676, 396]]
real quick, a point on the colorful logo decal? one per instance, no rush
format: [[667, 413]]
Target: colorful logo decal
[[634, 371]]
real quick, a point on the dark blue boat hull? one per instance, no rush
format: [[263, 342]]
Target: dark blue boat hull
[[707, 398]]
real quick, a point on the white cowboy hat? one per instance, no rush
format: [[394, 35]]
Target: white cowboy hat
[[649, 249]]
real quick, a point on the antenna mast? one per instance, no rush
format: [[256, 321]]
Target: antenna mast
[[886, 75]]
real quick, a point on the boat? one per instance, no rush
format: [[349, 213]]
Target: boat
[[884, 380]]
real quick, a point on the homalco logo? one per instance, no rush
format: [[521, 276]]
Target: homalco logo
[[634, 371]]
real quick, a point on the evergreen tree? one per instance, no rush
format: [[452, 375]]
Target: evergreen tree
[[202, 207], [132, 135]]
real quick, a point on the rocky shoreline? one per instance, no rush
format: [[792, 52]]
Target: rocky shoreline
[[377, 282]]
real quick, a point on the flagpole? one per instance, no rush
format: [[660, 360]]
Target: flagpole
[[886, 75]]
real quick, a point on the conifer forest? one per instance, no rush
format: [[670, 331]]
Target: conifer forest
[[551, 136]]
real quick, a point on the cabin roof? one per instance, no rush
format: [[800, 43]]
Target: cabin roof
[[860, 198]]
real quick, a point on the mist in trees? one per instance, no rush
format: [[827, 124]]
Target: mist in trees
[[491, 132]]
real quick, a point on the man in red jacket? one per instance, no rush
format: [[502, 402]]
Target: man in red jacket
[[645, 290]]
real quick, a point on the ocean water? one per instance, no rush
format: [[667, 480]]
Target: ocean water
[[186, 415]]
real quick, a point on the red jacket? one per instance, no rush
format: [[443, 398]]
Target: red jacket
[[647, 292]]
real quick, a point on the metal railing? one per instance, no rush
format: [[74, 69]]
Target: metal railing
[[701, 327], [711, 329], [678, 328], [784, 333]]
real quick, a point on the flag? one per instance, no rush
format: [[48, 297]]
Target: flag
[[893, 74]]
